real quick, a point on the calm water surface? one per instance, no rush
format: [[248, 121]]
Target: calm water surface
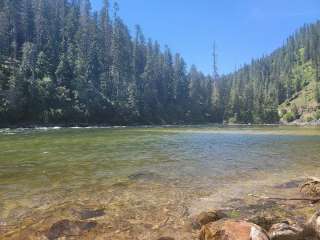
[[139, 169]]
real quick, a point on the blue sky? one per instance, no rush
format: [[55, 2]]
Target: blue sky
[[242, 29]]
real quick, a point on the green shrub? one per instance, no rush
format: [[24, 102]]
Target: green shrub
[[309, 119], [283, 112], [287, 103], [232, 120], [295, 111], [289, 117]]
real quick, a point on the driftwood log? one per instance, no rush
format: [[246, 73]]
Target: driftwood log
[[313, 185]]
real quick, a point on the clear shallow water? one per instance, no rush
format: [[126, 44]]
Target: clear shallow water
[[139, 169]]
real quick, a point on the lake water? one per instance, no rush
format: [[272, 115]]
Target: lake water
[[144, 178]]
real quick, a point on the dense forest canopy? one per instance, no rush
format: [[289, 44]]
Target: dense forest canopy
[[62, 63]]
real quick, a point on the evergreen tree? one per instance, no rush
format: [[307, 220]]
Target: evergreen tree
[[182, 81]]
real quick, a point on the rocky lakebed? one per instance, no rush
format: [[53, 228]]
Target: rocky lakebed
[[294, 217]]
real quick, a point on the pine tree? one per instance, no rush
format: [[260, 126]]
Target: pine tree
[[215, 101], [182, 81], [138, 66], [196, 95], [105, 47]]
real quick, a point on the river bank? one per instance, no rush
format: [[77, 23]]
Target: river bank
[[88, 125], [302, 123]]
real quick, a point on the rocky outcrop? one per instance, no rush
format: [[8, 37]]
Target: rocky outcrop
[[232, 230]]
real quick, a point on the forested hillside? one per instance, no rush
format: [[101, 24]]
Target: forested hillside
[[62, 63], [290, 73]]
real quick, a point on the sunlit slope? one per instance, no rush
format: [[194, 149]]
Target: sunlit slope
[[302, 107]]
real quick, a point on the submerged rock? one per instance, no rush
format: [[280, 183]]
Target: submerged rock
[[207, 217], [286, 231], [65, 228], [232, 230], [265, 219], [87, 213], [121, 184], [144, 175], [291, 184], [248, 209]]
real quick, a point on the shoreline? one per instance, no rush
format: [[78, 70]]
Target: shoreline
[[83, 125]]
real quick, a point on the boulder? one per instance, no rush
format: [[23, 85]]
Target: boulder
[[232, 230], [286, 231], [65, 228], [311, 187], [207, 217]]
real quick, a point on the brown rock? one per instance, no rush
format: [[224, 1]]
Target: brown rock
[[232, 230], [65, 228], [207, 217], [311, 188], [166, 238], [313, 226], [286, 231]]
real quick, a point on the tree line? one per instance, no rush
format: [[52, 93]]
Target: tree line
[[62, 63]]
